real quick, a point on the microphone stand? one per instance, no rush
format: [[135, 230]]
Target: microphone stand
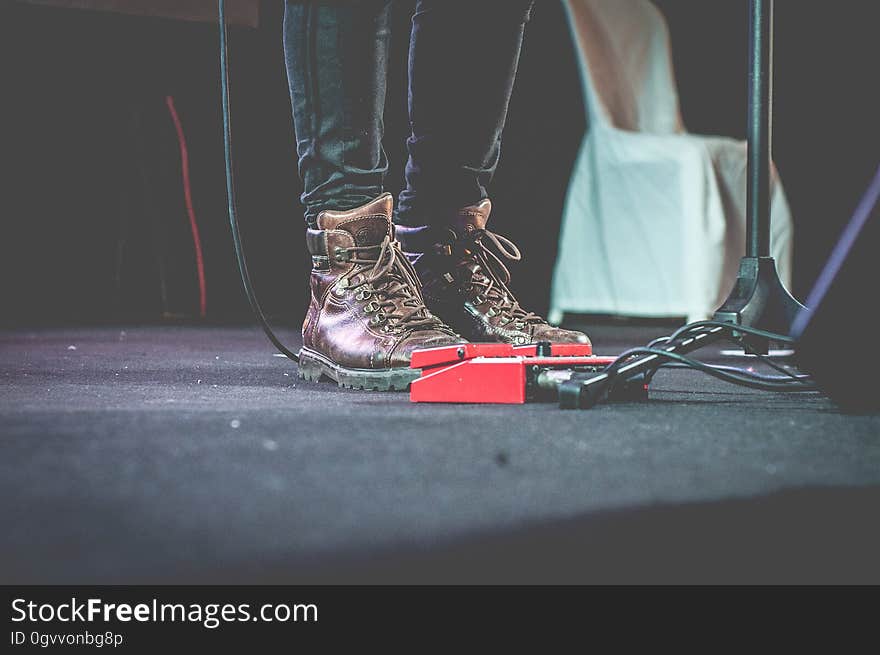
[[758, 298]]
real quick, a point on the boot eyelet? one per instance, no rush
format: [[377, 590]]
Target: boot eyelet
[[363, 294], [378, 319], [371, 307], [341, 254]]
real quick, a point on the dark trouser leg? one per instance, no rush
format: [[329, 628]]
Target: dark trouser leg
[[336, 55], [462, 65]]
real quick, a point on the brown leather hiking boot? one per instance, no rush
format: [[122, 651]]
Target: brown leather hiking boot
[[466, 283], [366, 314]]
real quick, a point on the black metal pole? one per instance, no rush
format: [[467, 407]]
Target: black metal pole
[[759, 128]]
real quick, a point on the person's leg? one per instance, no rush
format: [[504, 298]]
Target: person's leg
[[462, 67], [336, 54], [365, 315]]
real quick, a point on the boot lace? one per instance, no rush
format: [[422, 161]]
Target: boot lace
[[391, 286], [489, 281]]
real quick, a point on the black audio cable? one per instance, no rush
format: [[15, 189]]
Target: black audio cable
[[786, 382], [740, 377], [230, 191]]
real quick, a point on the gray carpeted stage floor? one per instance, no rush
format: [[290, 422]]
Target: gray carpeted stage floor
[[184, 454]]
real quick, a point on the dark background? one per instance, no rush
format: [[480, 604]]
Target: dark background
[[94, 224]]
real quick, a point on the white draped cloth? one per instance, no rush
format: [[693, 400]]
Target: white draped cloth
[[654, 220]]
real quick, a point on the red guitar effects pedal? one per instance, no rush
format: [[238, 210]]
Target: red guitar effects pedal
[[498, 372]]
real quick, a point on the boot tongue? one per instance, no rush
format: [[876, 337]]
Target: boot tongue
[[369, 224], [465, 222], [472, 218]]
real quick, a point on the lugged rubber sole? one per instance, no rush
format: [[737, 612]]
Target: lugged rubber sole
[[314, 366]]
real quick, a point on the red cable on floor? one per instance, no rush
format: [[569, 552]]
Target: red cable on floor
[[187, 195]]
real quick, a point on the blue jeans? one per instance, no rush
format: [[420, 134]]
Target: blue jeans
[[463, 57]]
